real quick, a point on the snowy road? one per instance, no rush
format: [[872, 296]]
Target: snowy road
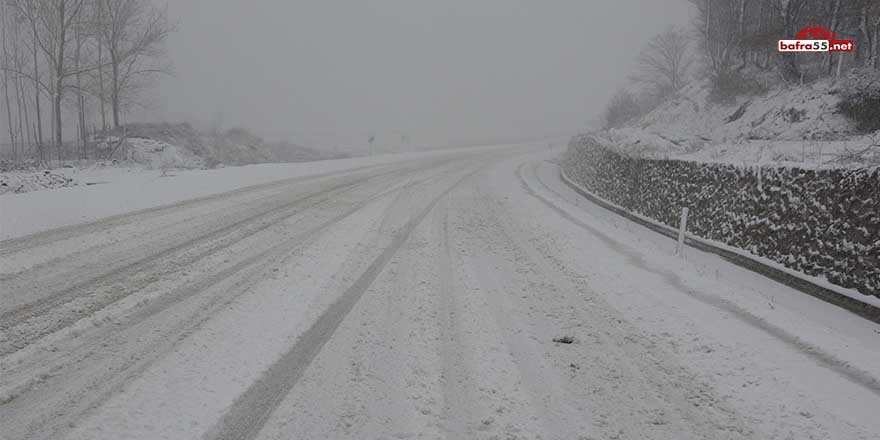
[[416, 299]]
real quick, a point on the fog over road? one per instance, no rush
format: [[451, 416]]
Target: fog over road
[[469, 294]]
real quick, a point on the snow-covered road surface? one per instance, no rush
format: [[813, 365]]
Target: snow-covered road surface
[[413, 299]]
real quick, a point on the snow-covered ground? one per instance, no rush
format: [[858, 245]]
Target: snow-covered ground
[[142, 156], [402, 297]]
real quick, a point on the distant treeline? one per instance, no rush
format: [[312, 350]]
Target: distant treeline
[[733, 35], [90, 57], [733, 45]]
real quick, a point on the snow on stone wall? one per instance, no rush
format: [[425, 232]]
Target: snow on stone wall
[[822, 222]]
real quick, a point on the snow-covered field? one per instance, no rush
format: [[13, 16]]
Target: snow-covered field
[[412, 296]]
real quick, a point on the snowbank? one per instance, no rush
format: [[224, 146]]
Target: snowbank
[[27, 181]]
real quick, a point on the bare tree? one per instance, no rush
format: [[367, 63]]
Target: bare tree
[[622, 108], [19, 62], [52, 21], [664, 64], [106, 49], [28, 11], [81, 29], [132, 32], [101, 91], [14, 60], [6, 61], [717, 26], [868, 13]]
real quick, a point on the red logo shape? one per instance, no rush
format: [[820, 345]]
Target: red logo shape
[[815, 33]]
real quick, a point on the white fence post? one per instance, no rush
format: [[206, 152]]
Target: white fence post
[[760, 179], [682, 227]]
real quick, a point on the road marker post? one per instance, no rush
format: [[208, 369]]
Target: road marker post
[[682, 227]]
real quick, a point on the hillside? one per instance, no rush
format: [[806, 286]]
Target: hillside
[[789, 125], [235, 146], [157, 147]]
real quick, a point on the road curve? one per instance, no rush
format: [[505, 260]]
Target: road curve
[[422, 299]]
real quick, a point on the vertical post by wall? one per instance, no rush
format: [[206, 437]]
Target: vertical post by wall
[[760, 179], [682, 227]]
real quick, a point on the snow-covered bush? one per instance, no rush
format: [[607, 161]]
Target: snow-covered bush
[[823, 222], [729, 84], [622, 108]]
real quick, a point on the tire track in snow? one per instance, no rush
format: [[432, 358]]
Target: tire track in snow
[[14, 340], [252, 262], [633, 389], [114, 373], [13, 245], [249, 412], [97, 242], [458, 396]]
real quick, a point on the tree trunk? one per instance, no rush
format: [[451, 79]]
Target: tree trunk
[[742, 32], [103, 98], [709, 48], [39, 133], [24, 106], [9, 122], [790, 69], [59, 79], [876, 54], [80, 102], [114, 92], [57, 110], [832, 27], [8, 109], [867, 38]]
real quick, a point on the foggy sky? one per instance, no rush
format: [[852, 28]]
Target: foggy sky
[[328, 72]]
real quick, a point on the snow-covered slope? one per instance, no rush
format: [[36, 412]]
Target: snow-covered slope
[[148, 147], [235, 146], [148, 157], [156, 154], [789, 125]]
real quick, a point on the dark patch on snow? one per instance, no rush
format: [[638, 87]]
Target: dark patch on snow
[[738, 113], [794, 115]]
